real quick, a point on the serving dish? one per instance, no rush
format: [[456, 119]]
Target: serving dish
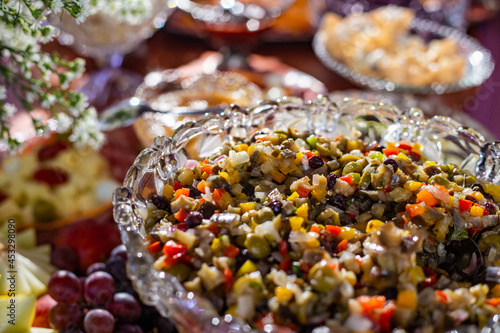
[[443, 140], [478, 67]]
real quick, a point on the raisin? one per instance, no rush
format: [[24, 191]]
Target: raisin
[[160, 202], [491, 208], [331, 179], [316, 162], [194, 219], [392, 163]]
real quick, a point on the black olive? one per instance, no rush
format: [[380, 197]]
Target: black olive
[[276, 207], [338, 200], [207, 209], [194, 219], [392, 163]]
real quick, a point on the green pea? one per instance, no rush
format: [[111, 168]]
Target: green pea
[[257, 246]]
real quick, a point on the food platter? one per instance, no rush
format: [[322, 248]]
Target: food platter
[[441, 139], [479, 62]]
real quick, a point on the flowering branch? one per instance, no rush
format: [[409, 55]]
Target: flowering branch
[[28, 73]]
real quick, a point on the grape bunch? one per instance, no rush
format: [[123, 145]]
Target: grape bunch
[[103, 301]]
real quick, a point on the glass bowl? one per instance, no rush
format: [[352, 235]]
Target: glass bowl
[[478, 67], [443, 139], [102, 35]]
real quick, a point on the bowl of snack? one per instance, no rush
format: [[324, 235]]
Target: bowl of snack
[[316, 216], [391, 49]]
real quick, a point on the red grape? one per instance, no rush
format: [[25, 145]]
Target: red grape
[[119, 252], [96, 267], [99, 288], [129, 328], [124, 307], [63, 315], [98, 321], [64, 286]]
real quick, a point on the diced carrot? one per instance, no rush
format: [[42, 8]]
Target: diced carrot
[[217, 194], [427, 197], [181, 191], [339, 137], [213, 228], [303, 191], [202, 200], [415, 210], [348, 179], [201, 186], [390, 151], [342, 246], [370, 303], [315, 229], [277, 176], [181, 215], [231, 251], [155, 247], [309, 154], [493, 301], [334, 229], [207, 169], [441, 296]]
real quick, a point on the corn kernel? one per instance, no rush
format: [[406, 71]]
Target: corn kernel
[[478, 195], [250, 150], [168, 192], [283, 294], [248, 267], [416, 148], [476, 211], [216, 245], [248, 206], [407, 299], [313, 243], [402, 157], [319, 193], [373, 225], [429, 163], [347, 233], [293, 196], [417, 275], [412, 186], [243, 147], [298, 159], [303, 210], [296, 222]]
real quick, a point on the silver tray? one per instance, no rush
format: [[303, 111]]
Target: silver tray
[[478, 68]]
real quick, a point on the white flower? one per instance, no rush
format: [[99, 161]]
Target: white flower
[[64, 122], [48, 101], [3, 93], [9, 110], [86, 130]]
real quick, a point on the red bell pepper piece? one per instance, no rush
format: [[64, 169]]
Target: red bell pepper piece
[[464, 205]]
